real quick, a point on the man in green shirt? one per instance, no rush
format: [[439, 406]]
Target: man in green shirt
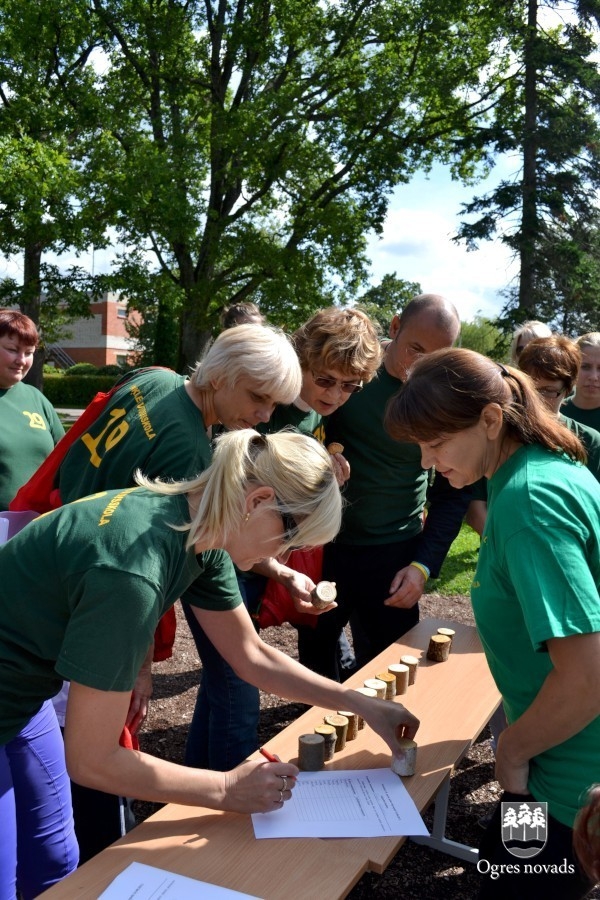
[[383, 551]]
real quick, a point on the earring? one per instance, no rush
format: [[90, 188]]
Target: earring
[[247, 518]]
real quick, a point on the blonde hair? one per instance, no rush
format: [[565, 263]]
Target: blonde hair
[[527, 332], [260, 353], [591, 339], [295, 466], [345, 340]]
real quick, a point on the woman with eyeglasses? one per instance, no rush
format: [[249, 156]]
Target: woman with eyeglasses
[[338, 350], [82, 589], [535, 596], [553, 364]]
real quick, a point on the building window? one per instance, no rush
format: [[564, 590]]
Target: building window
[[121, 359], [121, 312]]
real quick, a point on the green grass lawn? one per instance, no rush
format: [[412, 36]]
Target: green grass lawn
[[459, 566]]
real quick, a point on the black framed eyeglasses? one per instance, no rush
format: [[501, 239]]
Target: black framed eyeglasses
[[348, 387], [290, 526], [550, 393]]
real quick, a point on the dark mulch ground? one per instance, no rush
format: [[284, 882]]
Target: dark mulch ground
[[417, 873]]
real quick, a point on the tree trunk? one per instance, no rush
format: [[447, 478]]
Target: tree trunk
[[166, 338], [30, 305], [529, 218], [194, 342]]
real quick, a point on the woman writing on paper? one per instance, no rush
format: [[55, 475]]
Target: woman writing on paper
[[82, 590]]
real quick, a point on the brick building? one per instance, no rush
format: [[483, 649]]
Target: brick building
[[103, 339]]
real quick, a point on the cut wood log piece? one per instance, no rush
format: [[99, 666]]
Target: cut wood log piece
[[323, 594], [439, 648], [406, 763]]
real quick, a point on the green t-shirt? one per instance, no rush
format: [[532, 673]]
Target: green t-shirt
[[150, 423], [82, 589], [537, 578], [589, 417], [590, 438], [387, 489], [29, 429], [304, 421]]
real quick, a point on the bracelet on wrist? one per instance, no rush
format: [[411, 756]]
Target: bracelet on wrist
[[422, 569]]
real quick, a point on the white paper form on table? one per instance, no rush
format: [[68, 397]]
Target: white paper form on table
[[141, 882], [356, 803]]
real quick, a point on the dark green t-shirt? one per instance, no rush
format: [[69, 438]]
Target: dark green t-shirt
[[29, 429], [590, 438], [538, 577], [589, 417], [304, 421], [150, 423], [82, 589], [387, 488]]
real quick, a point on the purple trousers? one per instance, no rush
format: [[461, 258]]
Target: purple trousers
[[38, 845]]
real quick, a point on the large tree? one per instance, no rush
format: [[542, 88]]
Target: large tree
[[548, 119], [46, 87], [247, 147]]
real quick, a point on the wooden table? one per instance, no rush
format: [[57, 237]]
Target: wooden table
[[454, 700]]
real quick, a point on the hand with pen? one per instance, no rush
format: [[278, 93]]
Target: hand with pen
[[259, 786]]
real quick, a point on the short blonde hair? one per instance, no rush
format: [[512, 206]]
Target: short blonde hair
[[257, 352], [295, 465], [527, 332], [345, 340], [591, 339]]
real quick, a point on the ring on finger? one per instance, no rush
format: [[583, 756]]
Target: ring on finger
[[281, 796], [284, 779]]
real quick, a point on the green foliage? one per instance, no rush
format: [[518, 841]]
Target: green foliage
[[110, 369], [484, 336], [244, 151], [75, 392], [384, 301], [547, 213], [82, 368], [249, 149], [44, 53], [459, 566], [159, 301]]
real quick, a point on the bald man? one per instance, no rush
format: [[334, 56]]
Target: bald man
[[383, 555]]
